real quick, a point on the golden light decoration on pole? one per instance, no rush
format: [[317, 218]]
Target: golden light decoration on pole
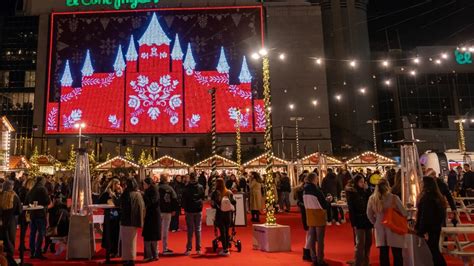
[[238, 142], [461, 135]]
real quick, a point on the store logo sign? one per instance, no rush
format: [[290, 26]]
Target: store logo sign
[[463, 57], [117, 4]]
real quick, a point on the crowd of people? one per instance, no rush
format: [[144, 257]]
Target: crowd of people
[[368, 197], [156, 203]]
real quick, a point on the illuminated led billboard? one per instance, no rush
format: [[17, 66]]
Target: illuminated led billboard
[[150, 71]]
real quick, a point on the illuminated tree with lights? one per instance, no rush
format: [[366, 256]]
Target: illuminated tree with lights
[[143, 159], [129, 154], [34, 170], [92, 162], [71, 161], [107, 157], [149, 159]]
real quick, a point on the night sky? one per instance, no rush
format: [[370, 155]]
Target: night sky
[[420, 22]]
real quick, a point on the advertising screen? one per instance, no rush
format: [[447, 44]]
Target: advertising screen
[[150, 71]]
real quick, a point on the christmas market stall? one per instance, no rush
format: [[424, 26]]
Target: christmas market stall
[[118, 163], [314, 161], [5, 138], [19, 163], [167, 164], [222, 164], [47, 164], [259, 164], [370, 160]]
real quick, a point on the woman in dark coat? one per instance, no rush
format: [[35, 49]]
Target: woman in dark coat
[[111, 196], [10, 208], [358, 194], [152, 225], [430, 217], [178, 186]]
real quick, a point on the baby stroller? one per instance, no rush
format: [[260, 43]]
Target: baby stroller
[[232, 238]]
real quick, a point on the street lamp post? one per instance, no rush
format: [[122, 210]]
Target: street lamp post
[[373, 122], [297, 138], [80, 126]]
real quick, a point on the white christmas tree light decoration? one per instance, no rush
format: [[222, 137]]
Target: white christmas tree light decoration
[[223, 66], [119, 65], [154, 34], [87, 69], [177, 53], [66, 80], [132, 54], [189, 62], [245, 76]]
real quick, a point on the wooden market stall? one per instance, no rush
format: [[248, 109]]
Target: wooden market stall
[[259, 164], [169, 165], [115, 163], [223, 164], [314, 161], [370, 160], [47, 164], [19, 163], [5, 138]]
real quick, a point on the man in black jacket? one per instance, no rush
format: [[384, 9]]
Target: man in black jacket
[[285, 187], [193, 196], [38, 194], [168, 206]]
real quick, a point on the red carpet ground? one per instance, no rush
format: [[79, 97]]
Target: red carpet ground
[[339, 249]]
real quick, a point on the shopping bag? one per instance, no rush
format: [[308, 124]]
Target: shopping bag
[[394, 221]]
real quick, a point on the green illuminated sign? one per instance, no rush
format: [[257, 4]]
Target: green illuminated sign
[[118, 4], [463, 58]]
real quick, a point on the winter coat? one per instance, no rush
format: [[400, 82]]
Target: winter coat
[[168, 198], [383, 235], [285, 185], [178, 187], [193, 197], [40, 194], [430, 216], [152, 225], [202, 181], [443, 188], [331, 185], [357, 200], [133, 209], [255, 195], [452, 180], [315, 205]]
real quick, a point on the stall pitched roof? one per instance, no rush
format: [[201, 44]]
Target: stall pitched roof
[[18, 162], [313, 159], [7, 124], [370, 158], [221, 162], [117, 162], [262, 161], [167, 162]]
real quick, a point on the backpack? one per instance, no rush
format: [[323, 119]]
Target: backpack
[[226, 205]]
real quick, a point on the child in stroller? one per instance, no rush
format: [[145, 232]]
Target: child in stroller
[[223, 201]]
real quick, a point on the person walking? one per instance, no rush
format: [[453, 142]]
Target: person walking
[[430, 217], [223, 201], [152, 225], [315, 205], [202, 180], [255, 196], [10, 208], [285, 187], [132, 218], [38, 195], [193, 197], [385, 239], [357, 195], [168, 206]]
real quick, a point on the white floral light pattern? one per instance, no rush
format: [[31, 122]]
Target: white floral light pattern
[[70, 120], [154, 98]]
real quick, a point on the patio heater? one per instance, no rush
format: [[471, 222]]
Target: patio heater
[[411, 179], [81, 242]]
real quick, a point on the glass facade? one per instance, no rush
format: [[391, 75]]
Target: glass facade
[[18, 48]]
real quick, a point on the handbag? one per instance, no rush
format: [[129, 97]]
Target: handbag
[[53, 230], [395, 221]]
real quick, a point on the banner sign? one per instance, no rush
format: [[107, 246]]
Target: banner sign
[[117, 4]]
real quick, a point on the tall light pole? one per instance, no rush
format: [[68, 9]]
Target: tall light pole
[[297, 138], [462, 137], [374, 122], [269, 181], [80, 126], [213, 130]]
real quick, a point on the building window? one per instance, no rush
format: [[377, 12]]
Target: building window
[[30, 79], [4, 78]]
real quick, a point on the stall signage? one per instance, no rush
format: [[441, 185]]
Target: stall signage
[[463, 57], [117, 4]]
